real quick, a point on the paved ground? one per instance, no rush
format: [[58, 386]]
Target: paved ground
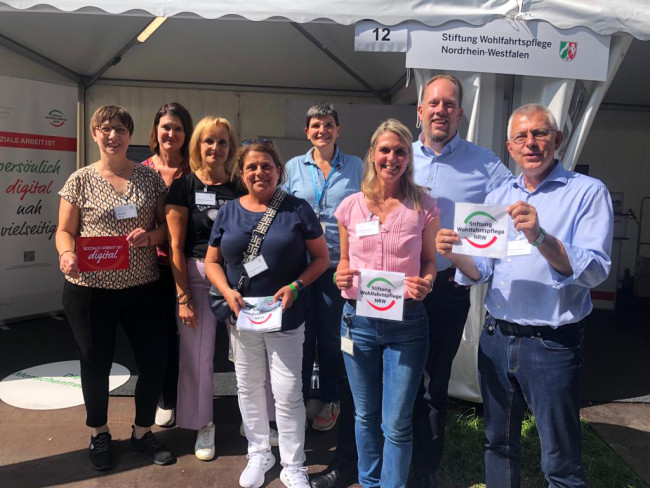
[[49, 448]]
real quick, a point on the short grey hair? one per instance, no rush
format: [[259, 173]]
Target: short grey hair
[[322, 109], [529, 109]]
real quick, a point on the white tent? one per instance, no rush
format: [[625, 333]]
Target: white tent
[[213, 58]]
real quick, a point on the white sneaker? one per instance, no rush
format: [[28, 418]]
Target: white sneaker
[[165, 417], [204, 447], [273, 435], [258, 464], [295, 477]]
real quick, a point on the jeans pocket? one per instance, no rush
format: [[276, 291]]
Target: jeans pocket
[[571, 341]]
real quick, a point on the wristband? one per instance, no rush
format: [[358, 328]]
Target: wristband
[[67, 250], [294, 291], [540, 238], [148, 240], [334, 278], [299, 284]]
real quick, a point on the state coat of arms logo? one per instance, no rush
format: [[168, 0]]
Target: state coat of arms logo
[[568, 50]]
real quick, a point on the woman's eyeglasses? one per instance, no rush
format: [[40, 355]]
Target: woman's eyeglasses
[[120, 130], [209, 142]]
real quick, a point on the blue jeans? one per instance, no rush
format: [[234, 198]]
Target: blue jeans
[[384, 375], [324, 306], [544, 374]]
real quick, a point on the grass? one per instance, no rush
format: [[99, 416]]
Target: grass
[[462, 465]]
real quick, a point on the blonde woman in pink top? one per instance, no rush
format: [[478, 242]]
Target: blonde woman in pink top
[[389, 226]]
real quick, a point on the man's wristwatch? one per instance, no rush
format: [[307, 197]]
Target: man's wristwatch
[[540, 238]]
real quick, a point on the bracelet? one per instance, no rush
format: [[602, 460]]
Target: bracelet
[[334, 278], [186, 292], [540, 238], [148, 239], [186, 302], [67, 250], [299, 284], [294, 291]]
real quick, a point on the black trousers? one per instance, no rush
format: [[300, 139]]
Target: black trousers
[[447, 308], [167, 302], [93, 315]]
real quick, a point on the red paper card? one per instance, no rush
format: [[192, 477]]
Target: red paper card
[[102, 253]]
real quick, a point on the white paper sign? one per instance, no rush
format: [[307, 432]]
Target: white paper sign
[[261, 314], [371, 36], [483, 230], [506, 46], [381, 294]]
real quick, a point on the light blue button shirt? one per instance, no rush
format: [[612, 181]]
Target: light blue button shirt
[[573, 208], [306, 180], [462, 172]]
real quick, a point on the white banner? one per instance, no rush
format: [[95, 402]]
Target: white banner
[[371, 36], [512, 47], [38, 144]]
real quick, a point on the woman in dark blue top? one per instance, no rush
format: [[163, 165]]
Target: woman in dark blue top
[[284, 270]]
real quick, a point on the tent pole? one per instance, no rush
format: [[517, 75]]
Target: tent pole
[[382, 96], [38, 58]]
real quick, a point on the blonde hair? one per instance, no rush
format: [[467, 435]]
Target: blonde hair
[[370, 184], [206, 123]]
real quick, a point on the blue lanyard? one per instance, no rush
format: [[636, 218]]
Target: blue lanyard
[[319, 194]]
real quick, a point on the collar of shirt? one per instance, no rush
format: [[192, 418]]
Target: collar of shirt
[[309, 159], [448, 149], [557, 175]]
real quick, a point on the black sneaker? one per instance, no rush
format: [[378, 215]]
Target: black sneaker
[[100, 455], [153, 448]]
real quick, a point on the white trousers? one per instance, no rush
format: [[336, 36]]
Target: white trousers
[[284, 353]]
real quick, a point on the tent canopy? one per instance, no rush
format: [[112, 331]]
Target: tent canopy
[[296, 46]]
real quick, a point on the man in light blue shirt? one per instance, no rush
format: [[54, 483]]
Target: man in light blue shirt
[[454, 170], [530, 351]]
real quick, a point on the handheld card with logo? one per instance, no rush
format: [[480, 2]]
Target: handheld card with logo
[[102, 253], [261, 314], [381, 294]]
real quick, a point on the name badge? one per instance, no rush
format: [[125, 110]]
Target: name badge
[[347, 346], [125, 211], [205, 198], [520, 247], [368, 228], [256, 266]]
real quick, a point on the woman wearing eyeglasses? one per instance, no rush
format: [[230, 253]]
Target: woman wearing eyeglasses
[[280, 270], [115, 198], [193, 202], [169, 139]]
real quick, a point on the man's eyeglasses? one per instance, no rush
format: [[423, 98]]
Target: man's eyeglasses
[[248, 142], [539, 135], [120, 130], [209, 142]]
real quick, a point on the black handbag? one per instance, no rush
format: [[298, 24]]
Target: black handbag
[[217, 301]]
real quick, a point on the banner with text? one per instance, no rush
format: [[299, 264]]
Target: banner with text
[[483, 230], [38, 151], [534, 48]]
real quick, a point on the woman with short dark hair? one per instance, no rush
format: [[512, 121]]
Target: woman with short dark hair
[[115, 197]]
